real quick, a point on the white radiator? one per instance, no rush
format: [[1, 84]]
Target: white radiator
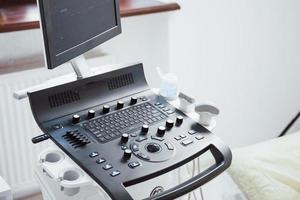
[[17, 126]]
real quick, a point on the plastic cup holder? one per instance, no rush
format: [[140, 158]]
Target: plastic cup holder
[[52, 157], [71, 175]]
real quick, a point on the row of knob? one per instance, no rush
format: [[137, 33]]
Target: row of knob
[[160, 130], [106, 109]]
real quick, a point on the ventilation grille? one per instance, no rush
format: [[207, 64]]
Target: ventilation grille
[[120, 81], [63, 98]]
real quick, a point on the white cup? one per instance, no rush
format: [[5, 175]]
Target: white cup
[[206, 113]]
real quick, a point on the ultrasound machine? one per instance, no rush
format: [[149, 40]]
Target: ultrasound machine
[[112, 125]]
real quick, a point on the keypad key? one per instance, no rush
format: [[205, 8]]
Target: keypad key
[[199, 137], [166, 109], [169, 145], [177, 138], [157, 138], [170, 112], [186, 142], [133, 135], [140, 139], [94, 154], [135, 147], [115, 173], [123, 147], [183, 136], [107, 166], [134, 164], [192, 132], [100, 160], [57, 126], [143, 156]]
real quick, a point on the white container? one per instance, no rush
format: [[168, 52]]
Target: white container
[[168, 85]]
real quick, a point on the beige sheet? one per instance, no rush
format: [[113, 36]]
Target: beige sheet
[[269, 170]]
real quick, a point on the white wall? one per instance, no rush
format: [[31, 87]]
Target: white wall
[[144, 38], [245, 56]]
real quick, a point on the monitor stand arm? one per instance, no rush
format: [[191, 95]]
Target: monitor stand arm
[[81, 67]]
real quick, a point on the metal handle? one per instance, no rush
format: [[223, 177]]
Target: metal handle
[[223, 160]]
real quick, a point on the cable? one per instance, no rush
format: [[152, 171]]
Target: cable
[[199, 170]]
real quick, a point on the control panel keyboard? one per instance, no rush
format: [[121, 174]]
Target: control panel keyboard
[[111, 126]]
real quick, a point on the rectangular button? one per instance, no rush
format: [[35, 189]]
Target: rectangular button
[[192, 132], [170, 112], [157, 138], [115, 173], [169, 146], [135, 147], [186, 142], [140, 139], [100, 160], [134, 164], [107, 166], [133, 134], [143, 156], [56, 126], [162, 106], [199, 137], [183, 136], [177, 138], [166, 109], [94, 154]]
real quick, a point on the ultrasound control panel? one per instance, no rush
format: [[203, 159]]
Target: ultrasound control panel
[[121, 133]]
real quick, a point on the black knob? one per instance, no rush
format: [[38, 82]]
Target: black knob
[[124, 138], [169, 123], [75, 119], [120, 104], [145, 128], [179, 120], [106, 109], [161, 131], [127, 154], [133, 100], [91, 114]]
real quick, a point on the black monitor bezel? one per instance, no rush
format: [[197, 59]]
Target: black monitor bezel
[[53, 60]]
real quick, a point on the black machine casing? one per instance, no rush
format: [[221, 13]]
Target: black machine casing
[[54, 107]]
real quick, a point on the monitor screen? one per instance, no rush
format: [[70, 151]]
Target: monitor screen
[[72, 27]]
